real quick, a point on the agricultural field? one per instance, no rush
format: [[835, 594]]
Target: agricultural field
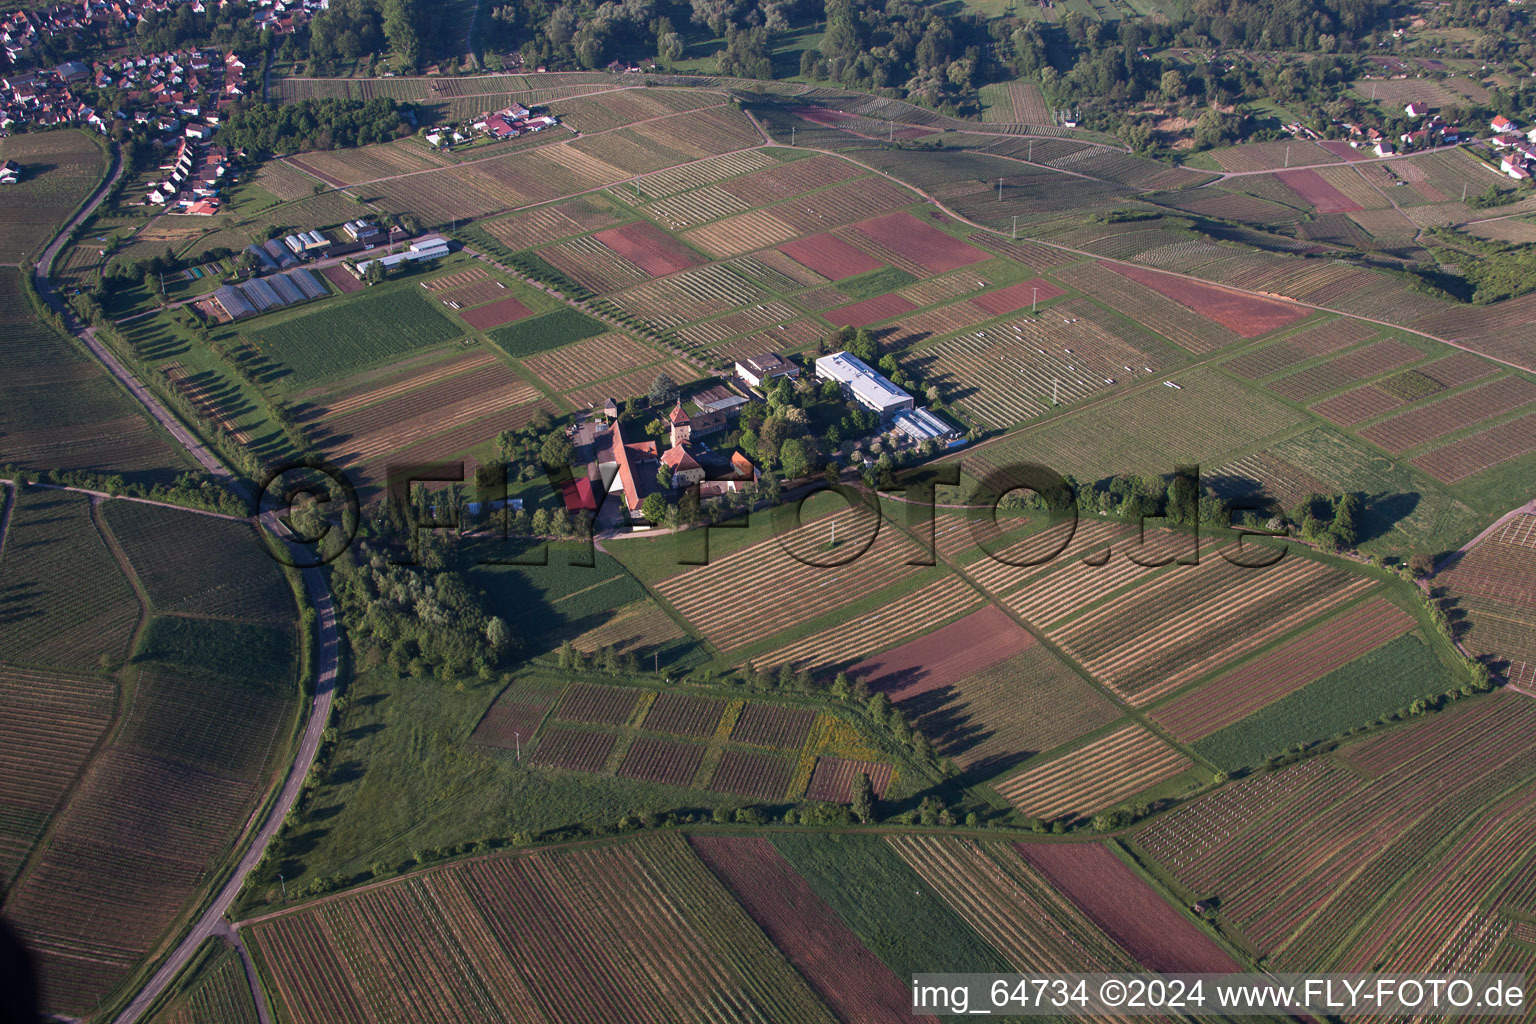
[[143, 797], [1146, 431], [215, 988], [1307, 861], [59, 410], [69, 605], [1491, 585], [530, 931], [373, 326], [59, 169], [1105, 771]]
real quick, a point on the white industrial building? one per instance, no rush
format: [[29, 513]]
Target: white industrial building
[[922, 425], [429, 248], [864, 385]]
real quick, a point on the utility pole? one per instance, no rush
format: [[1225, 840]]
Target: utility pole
[[1463, 191], [284, 884], [1287, 156], [791, 135], [1031, 150], [999, 189], [517, 738], [1034, 299], [1015, 226], [890, 135]]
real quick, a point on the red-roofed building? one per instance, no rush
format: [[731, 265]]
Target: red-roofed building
[[686, 470], [578, 495], [633, 460]]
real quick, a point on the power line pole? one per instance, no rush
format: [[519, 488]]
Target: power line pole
[[999, 189], [791, 135], [1034, 299], [1015, 226], [517, 738], [1031, 150]]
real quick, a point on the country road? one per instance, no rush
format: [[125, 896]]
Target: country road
[[211, 921]]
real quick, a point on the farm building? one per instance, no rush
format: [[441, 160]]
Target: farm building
[[259, 295], [863, 385], [364, 231], [279, 253], [579, 494], [766, 367], [922, 425], [431, 247], [636, 462], [686, 470], [718, 399]]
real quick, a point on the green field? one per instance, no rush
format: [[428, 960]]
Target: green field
[[551, 330], [59, 410], [247, 652], [58, 170], [66, 603], [200, 564], [1385, 680], [860, 876], [350, 333], [214, 988]]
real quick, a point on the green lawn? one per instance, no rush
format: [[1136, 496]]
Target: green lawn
[[1385, 680]]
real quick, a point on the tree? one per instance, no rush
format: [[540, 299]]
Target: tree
[[498, 634], [664, 475], [863, 802], [1421, 564], [654, 507], [557, 449], [793, 458], [1172, 85], [663, 390]]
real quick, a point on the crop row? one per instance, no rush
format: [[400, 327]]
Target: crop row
[[1285, 669], [761, 590], [1106, 771]]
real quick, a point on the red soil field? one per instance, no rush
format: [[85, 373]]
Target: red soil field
[[815, 940], [1340, 148], [946, 655], [1248, 315], [821, 115], [1016, 296], [343, 279], [682, 715], [328, 179], [830, 256], [665, 761], [767, 725], [609, 705], [757, 776], [921, 243], [515, 716], [1311, 187], [870, 311], [1284, 670], [574, 749], [649, 248], [1127, 909], [833, 778], [497, 313]]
